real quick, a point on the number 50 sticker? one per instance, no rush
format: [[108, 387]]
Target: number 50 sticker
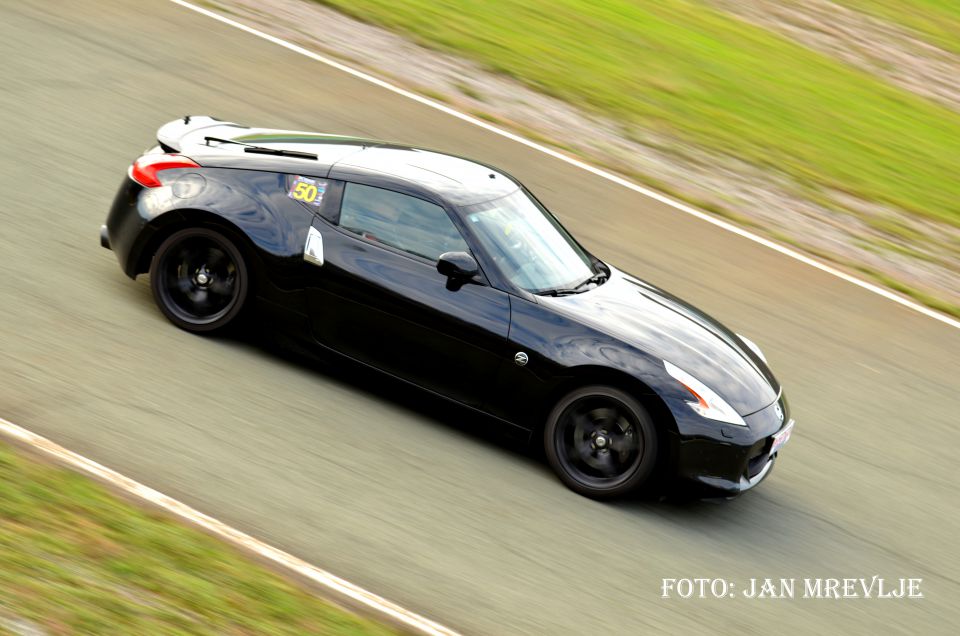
[[307, 190]]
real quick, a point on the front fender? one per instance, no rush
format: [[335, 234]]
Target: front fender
[[562, 352]]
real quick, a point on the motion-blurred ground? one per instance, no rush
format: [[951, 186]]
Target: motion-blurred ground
[[373, 482], [831, 128]]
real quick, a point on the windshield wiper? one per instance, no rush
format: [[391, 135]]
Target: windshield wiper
[[596, 279], [262, 150], [559, 292]]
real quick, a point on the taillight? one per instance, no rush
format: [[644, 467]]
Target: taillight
[[144, 170]]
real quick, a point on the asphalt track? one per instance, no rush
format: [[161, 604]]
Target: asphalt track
[[406, 497]]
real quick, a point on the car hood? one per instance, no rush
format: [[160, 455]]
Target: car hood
[[666, 327]]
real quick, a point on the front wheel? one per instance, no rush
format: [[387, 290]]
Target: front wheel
[[199, 280], [601, 442]]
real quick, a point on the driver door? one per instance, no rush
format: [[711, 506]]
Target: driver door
[[378, 297]]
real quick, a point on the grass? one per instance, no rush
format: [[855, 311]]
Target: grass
[[937, 21], [469, 91], [682, 68], [76, 560]]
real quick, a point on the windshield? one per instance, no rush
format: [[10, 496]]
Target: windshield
[[527, 244]]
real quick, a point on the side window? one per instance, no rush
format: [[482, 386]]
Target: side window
[[400, 221]]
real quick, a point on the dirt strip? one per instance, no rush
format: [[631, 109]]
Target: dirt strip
[[859, 234]]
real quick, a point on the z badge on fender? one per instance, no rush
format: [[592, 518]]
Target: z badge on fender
[[308, 191]]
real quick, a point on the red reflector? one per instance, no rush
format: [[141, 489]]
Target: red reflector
[[700, 400], [144, 170]]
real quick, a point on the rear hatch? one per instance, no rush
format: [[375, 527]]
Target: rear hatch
[[212, 141]]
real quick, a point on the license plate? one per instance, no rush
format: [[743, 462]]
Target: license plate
[[781, 438]]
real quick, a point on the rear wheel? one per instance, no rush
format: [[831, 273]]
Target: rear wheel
[[199, 280], [601, 442]]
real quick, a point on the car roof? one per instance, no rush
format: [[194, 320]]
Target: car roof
[[413, 170], [458, 180]]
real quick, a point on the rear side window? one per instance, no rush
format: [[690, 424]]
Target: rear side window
[[320, 196], [404, 222]]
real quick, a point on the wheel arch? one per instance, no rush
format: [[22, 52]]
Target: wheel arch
[[173, 221], [588, 375]]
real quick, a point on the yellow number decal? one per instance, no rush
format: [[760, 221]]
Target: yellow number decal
[[305, 192]]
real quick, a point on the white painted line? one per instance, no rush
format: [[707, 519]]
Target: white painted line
[[683, 207], [225, 532]]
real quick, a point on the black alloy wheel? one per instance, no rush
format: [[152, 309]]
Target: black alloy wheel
[[199, 280], [601, 442]]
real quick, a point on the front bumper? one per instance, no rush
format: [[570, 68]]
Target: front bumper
[[725, 460]]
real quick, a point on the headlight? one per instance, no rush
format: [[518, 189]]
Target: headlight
[[706, 402], [753, 347]]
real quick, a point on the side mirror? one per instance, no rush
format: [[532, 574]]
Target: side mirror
[[457, 266]]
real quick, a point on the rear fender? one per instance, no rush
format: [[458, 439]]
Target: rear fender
[[251, 205]]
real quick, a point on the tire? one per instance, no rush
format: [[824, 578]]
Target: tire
[[200, 280], [601, 442]]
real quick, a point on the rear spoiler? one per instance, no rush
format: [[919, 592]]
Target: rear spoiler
[[170, 134]]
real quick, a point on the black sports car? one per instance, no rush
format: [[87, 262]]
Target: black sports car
[[450, 275]]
